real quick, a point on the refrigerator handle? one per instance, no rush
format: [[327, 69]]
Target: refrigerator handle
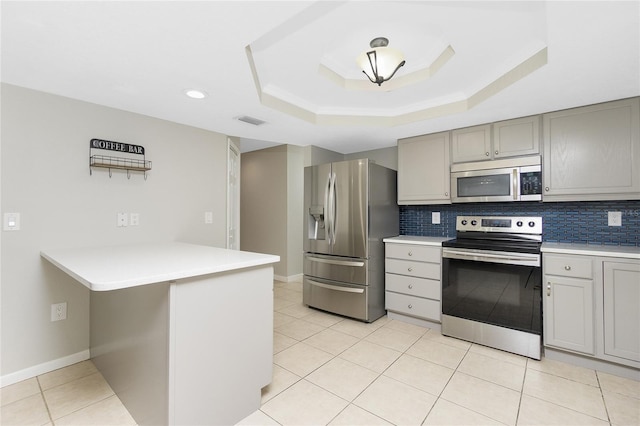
[[334, 202], [327, 207], [335, 287]]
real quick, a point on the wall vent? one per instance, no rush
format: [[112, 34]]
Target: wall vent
[[250, 120]]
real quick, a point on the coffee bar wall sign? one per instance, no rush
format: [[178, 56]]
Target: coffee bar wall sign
[[129, 157]]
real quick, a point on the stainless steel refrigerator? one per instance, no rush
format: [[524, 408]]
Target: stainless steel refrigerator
[[349, 207]]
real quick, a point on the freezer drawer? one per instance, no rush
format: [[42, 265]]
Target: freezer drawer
[[340, 298], [336, 268]]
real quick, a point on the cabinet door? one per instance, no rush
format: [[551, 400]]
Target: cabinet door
[[592, 153], [517, 137], [423, 170], [471, 144], [569, 314], [621, 313]]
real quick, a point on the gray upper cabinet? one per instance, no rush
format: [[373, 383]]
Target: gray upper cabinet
[[510, 138], [593, 152], [513, 138], [423, 169], [471, 144]]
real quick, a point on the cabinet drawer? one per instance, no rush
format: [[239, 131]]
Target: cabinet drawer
[[414, 269], [413, 252], [414, 306], [413, 286], [568, 266]]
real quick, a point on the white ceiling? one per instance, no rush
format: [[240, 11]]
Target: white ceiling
[[292, 63]]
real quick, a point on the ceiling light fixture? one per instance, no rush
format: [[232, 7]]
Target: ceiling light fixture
[[195, 94], [381, 63]]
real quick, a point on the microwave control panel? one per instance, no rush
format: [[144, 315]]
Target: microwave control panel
[[530, 183]]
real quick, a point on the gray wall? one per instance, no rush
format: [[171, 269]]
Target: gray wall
[[272, 198], [387, 157], [45, 177], [263, 203]]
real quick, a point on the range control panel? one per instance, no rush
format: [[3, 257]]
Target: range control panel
[[505, 224]]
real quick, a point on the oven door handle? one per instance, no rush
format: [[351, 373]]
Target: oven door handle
[[512, 259]]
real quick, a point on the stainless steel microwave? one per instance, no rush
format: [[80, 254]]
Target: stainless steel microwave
[[509, 179]]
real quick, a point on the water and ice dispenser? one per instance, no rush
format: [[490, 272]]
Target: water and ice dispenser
[[316, 223]]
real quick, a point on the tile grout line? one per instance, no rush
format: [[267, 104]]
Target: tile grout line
[[46, 405]]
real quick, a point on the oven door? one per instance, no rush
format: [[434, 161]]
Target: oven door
[[492, 287]]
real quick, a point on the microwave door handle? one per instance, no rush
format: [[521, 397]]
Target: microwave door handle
[[515, 184]]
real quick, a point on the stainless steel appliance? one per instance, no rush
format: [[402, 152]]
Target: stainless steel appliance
[[350, 206], [511, 179], [492, 283]]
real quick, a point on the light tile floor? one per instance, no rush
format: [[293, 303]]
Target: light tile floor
[[329, 370]]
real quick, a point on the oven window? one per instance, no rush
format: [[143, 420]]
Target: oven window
[[503, 295], [483, 186]]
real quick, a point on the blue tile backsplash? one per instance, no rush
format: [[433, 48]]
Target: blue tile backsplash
[[575, 222]]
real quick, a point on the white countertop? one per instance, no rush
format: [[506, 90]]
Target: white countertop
[[627, 252], [411, 239], [117, 267]]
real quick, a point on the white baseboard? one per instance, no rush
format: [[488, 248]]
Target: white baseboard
[[289, 279], [45, 367]]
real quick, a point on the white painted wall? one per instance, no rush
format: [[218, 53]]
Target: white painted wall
[[45, 177]]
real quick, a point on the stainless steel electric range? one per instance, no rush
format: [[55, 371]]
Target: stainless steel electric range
[[492, 283]]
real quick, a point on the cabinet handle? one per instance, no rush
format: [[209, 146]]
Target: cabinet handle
[[409, 269], [486, 153], [548, 289], [410, 306], [446, 193], [410, 286], [410, 253], [546, 188], [496, 152], [567, 268]]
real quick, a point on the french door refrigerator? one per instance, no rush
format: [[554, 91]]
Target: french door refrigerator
[[349, 207]]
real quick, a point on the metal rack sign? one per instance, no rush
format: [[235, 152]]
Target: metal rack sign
[[117, 146], [136, 160]]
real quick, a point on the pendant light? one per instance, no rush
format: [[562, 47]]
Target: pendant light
[[381, 63]]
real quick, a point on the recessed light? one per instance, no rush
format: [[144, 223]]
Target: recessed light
[[195, 94]]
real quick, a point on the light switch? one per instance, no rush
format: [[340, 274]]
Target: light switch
[[435, 218], [12, 221], [208, 217]]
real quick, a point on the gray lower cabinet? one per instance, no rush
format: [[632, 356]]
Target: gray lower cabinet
[[592, 152], [590, 306], [621, 310], [412, 281], [568, 303]]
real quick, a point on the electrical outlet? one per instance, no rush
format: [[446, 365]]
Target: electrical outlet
[[122, 220], [435, 218], [58, 311], [615, 218], [134, 219]]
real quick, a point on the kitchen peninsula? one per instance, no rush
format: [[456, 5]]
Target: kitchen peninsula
[[182, 332]]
